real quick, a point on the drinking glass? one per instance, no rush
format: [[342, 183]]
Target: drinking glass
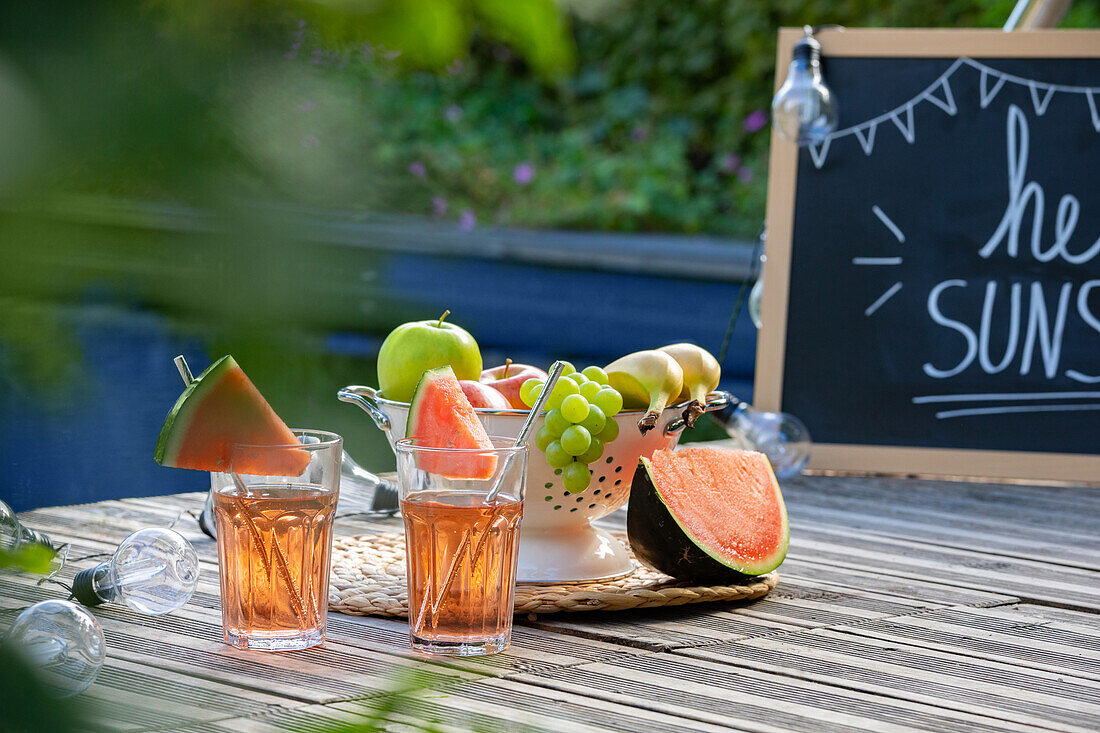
[[461, 549], [275, 542]]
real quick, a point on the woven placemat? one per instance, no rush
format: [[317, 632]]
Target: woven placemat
[[368, 579]]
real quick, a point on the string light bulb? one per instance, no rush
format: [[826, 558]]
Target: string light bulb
[[154, 571], [13, 533], [62, 642], [756, 295], [804, 109], [782, 437]]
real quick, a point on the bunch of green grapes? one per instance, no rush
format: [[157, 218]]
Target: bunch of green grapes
[[578, 423]]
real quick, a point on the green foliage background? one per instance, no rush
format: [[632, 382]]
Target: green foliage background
[[647, 133], [596, 114]]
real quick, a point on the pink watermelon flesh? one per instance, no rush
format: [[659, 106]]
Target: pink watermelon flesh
[[441, 416], [222, 409]]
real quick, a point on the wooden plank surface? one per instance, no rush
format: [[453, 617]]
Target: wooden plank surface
[[1046, 639], [720, 694], [940, 678], [903, 605]]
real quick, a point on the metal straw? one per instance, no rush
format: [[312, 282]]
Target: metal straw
[[551, 380], [185, 371]]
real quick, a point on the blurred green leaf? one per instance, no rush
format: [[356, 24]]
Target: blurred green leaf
[[426, 33], [536, 27], [26, 706], [27, 558], [397, 709]]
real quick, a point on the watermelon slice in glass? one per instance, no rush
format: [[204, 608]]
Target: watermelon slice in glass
[[216, 415]]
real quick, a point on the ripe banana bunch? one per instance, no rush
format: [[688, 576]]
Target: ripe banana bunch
[[701, 375], [647, 379]]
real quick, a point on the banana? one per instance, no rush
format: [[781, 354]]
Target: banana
[[646, 378], [701, 375]]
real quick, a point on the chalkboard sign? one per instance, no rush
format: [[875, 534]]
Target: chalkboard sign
[[932, 289]]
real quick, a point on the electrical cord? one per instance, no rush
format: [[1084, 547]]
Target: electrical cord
[[739, 302]]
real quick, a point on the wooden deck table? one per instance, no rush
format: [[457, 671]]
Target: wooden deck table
[[903, 605]]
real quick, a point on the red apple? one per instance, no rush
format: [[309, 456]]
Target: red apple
[[482, 395], [508, 378]]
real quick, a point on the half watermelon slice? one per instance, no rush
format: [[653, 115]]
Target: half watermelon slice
[[707, 515], [222, 409], [441, 416]]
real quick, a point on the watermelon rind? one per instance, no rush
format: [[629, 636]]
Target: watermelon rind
[[660, 540], [416, 402], [179, 418]]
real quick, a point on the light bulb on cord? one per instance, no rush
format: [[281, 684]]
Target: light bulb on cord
[[804, 109], [13, 533], [782, 437], [153, 571], [756, 295], [62, 642]]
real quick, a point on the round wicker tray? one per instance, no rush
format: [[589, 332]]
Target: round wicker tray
[[368, 579]]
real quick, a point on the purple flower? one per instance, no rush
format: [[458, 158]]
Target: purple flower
[[455, 67], [745, 175], [729, 163], [439, 205], [639, 133], [523, 174], [755, 121], [453, 113], [310, 141], [299, 35], [307, 106], [466, 220], [417, 169]]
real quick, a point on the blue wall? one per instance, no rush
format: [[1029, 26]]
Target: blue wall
[[92, 438]]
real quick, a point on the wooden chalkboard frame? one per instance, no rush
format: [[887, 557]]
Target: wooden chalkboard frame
[[782, 182]]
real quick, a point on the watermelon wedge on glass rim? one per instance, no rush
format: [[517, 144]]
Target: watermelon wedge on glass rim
[[220, 410], [441, 416]]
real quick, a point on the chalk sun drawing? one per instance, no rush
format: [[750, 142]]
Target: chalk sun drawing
[[882, 261]]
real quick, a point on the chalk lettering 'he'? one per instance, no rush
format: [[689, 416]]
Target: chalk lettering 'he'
[[1021, 195]]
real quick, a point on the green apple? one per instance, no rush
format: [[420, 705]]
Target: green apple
[[413, 348]]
